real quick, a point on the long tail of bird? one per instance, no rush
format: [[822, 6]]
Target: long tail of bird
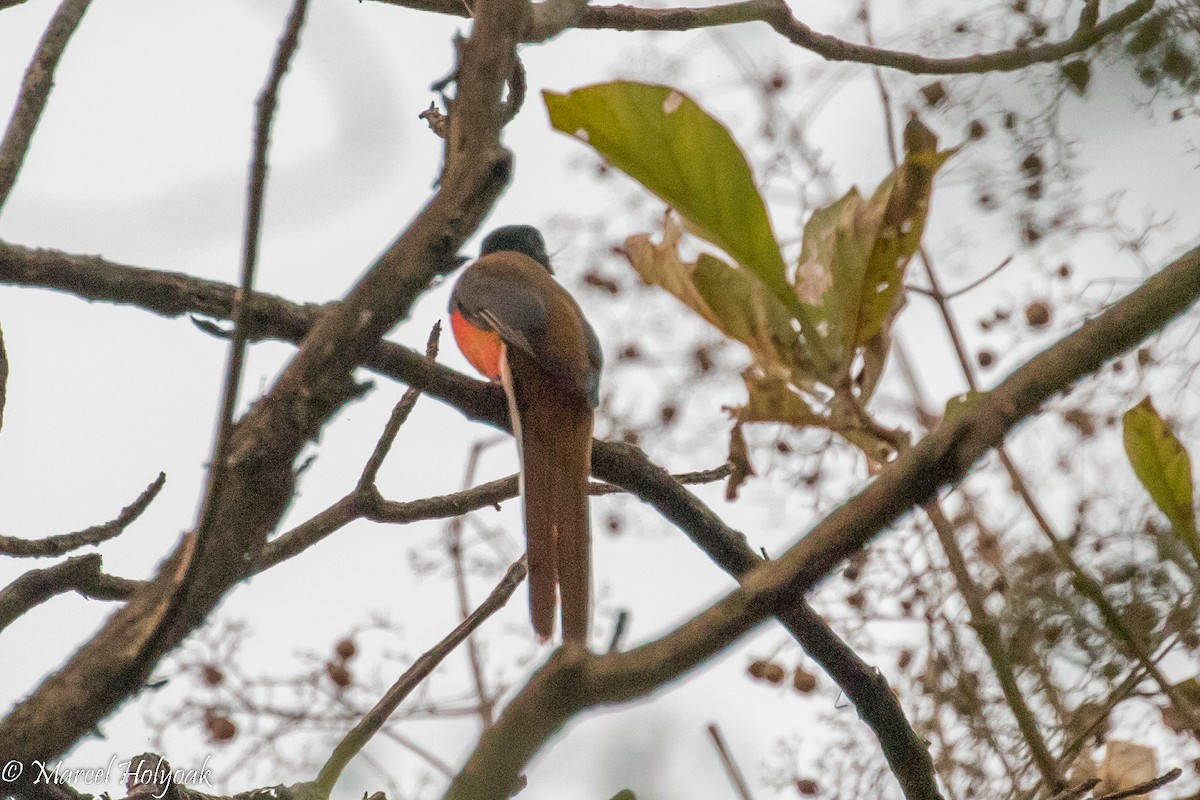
[[554, 432]]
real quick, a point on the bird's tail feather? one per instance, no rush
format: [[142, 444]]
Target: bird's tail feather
[[555, 438]]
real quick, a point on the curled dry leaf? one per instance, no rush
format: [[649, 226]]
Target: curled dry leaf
[[740, 468], [1083, 768], [660, 264], [1126, 764], [730, 298], [774, 399]]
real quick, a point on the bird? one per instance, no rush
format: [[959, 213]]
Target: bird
[[517, 325]]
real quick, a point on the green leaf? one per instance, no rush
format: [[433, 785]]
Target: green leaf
[[661, 138], [1162, 465], [855, 252], [1189, 690], [746, 311], [828, 261]]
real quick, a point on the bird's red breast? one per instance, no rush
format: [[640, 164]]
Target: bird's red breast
[[480, 347]]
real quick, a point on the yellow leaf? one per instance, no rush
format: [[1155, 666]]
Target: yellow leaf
[[747, 311], [1163, 466]]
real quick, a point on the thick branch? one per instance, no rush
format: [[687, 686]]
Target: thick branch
[[266, 442], [620, 464], [573, 681], [552, 17], [777, 14]]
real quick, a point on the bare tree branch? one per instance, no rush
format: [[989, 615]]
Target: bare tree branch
[[1143, 788], [66, 542], [268, 439], [35, 91], [574, 680], [988, 632], [79, 573], [485, 700], [365, 503], [552, 17], [398, 418], [777, 14], [255, 196], [731, 767], [621, 464]]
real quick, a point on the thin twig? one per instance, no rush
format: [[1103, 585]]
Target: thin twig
[[420, 752], [35, 91], [935, 295], [398, 418], [1084, 583], [358, 737], [982, 279], [989, 636], [885, 97], [731, 767], [52, 546], [255, 196], [366, 504], [454, 532], [619, 628], [598, 489]]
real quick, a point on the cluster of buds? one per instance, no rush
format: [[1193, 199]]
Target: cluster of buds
[[219, 726], [774, 673], [336, 669]]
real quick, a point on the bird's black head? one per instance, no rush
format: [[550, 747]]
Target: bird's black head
[[524, 239]]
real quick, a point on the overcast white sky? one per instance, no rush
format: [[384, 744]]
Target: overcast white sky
[[141, 158]]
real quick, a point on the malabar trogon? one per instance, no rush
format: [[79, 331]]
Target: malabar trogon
[[515, 323]]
